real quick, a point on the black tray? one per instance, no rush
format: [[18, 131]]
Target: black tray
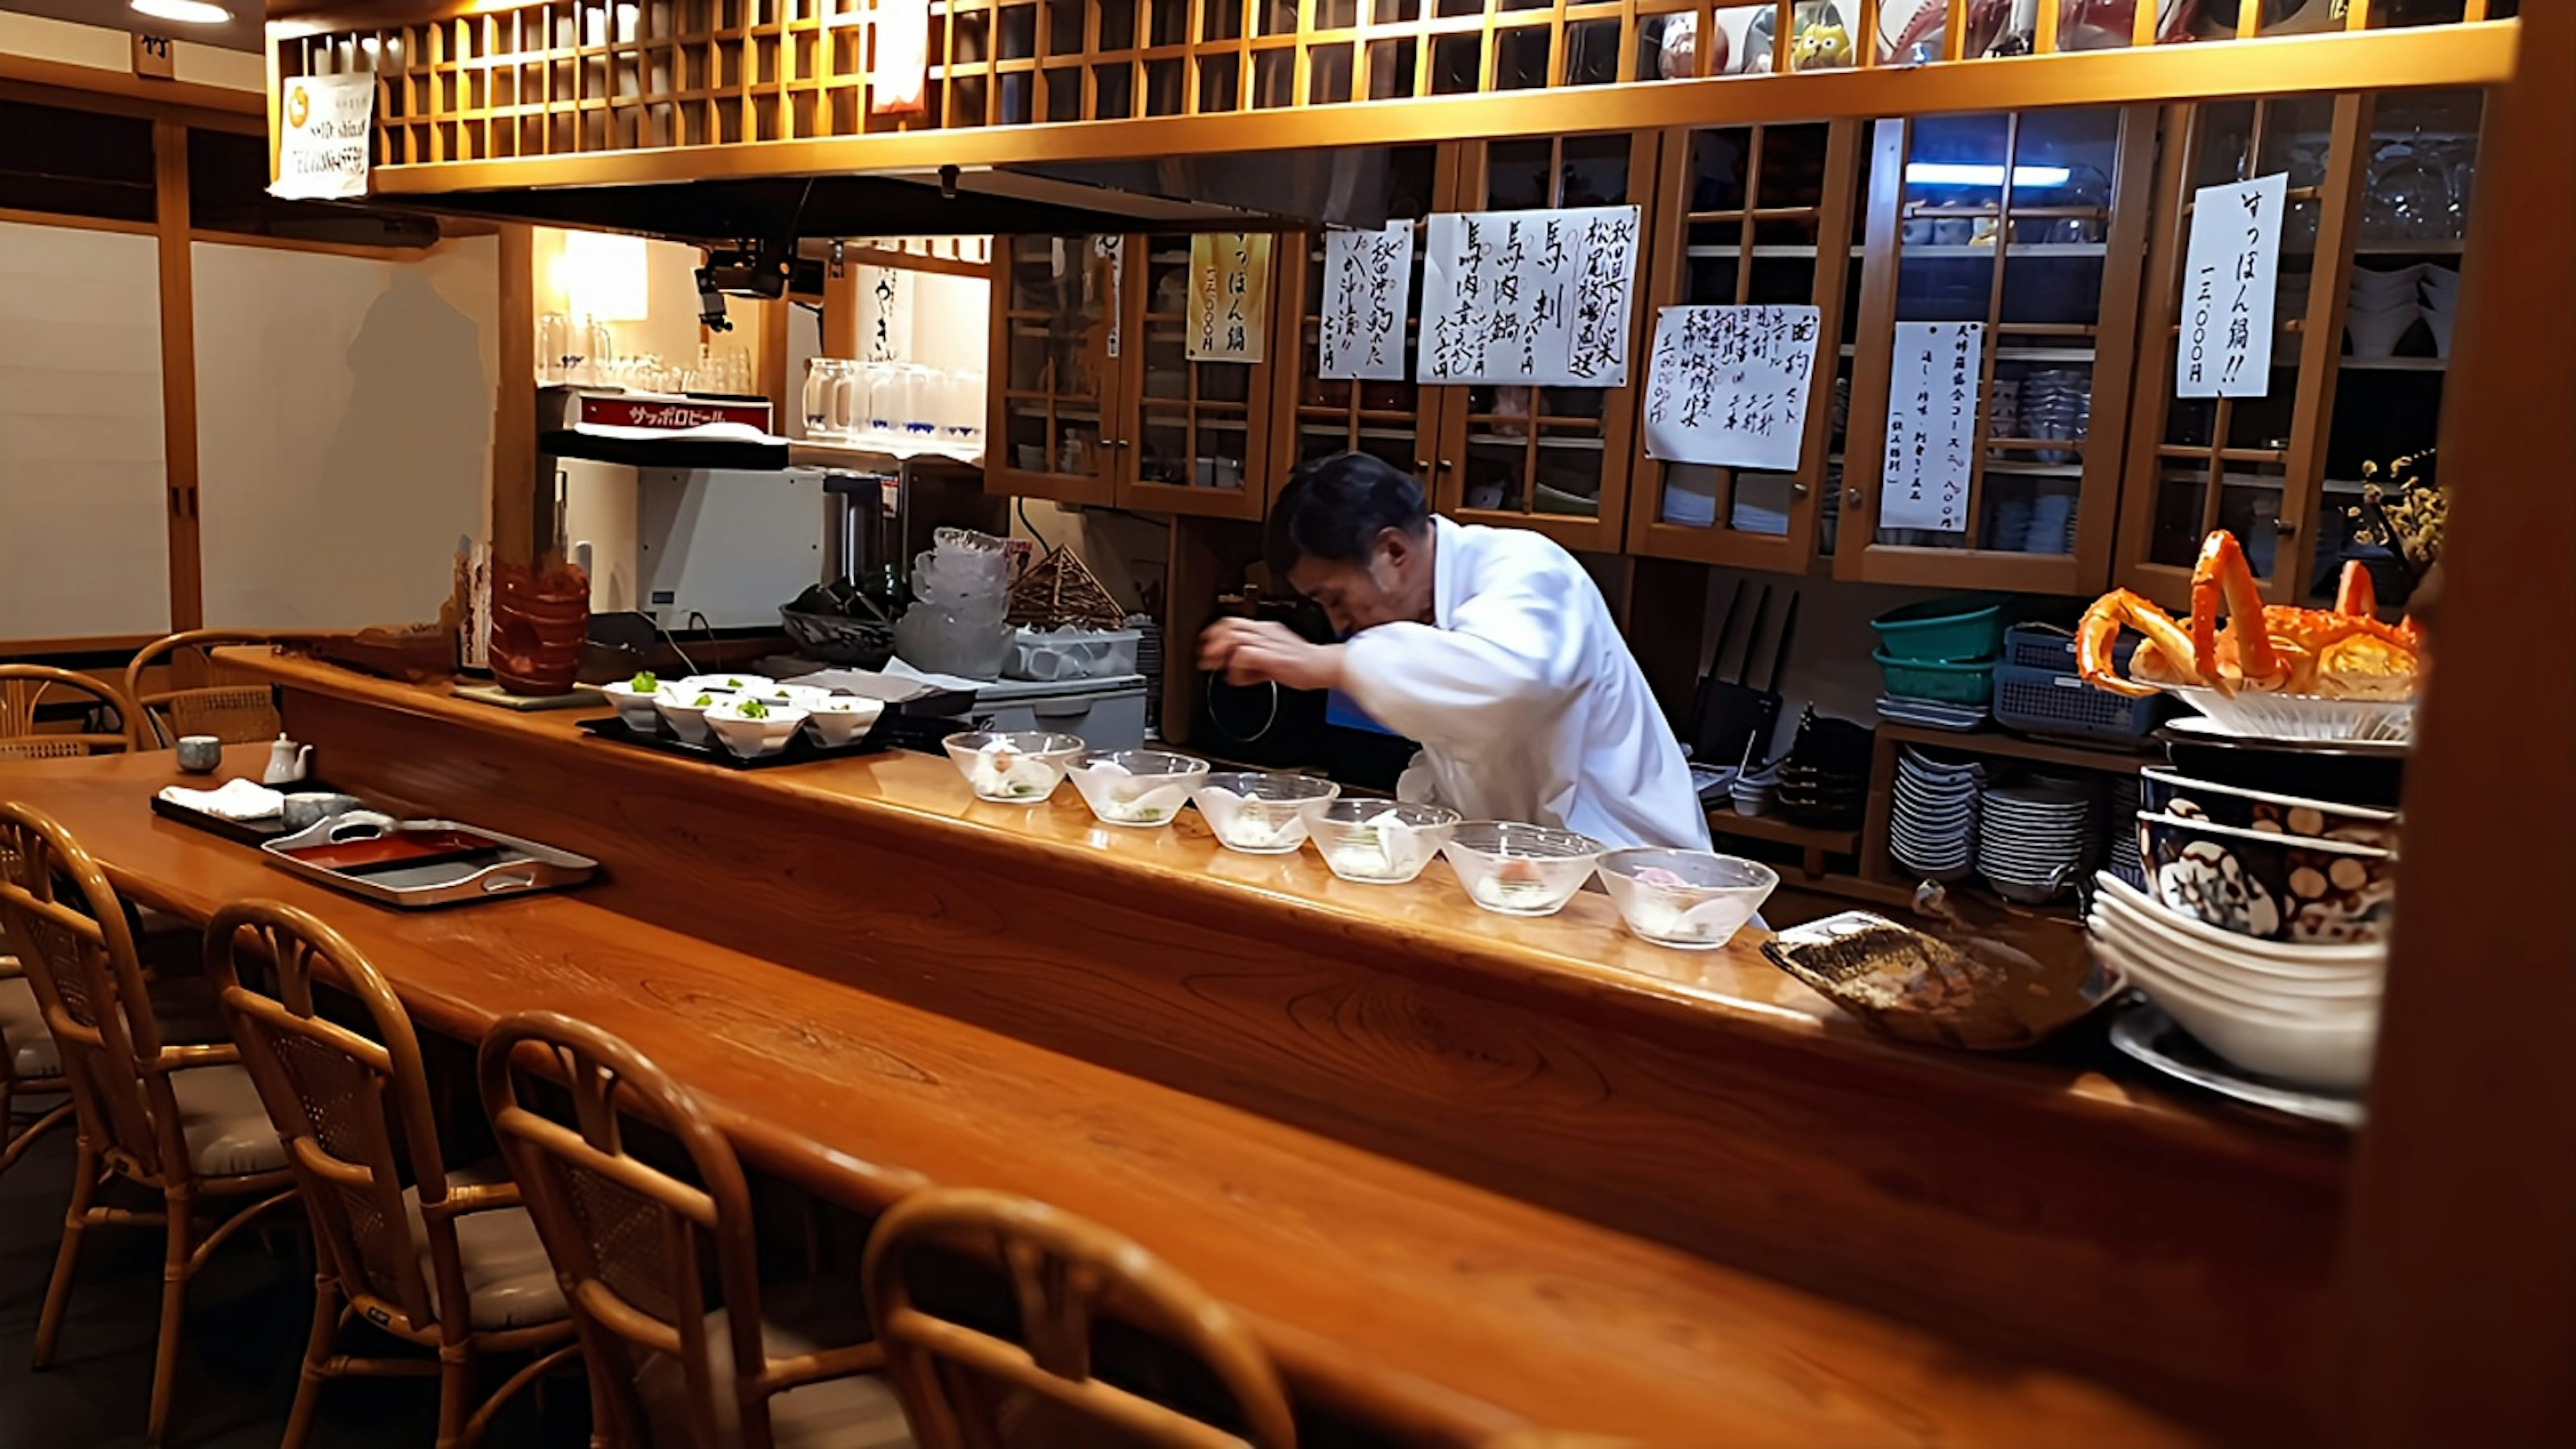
[[240, 832], [801, 749]]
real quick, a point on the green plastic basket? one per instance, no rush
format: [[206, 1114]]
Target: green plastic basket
[[1972, 683], [1958, 629]]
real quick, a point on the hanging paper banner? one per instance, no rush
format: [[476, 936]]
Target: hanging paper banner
[[1728, 385], [1368, 290], [2230, 273], [1229, 296], [1931, 425], [902, 70], [1536, 297], [325, 133], [1109, 253]]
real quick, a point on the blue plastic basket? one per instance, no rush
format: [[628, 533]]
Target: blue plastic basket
[[2052, 702], [2043, 646]]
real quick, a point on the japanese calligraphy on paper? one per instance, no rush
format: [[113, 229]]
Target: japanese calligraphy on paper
[[326, 125], [1229, 296], [1368, 289], [1528, 297], [1729, 385], [1931, 425], [2230, 272], [1109, 254]]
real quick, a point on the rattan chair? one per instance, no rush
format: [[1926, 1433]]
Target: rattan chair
[[203, 701], [24, 688], [183, 1121], [966, 1388], [354, 1110], [637, 1247], [29, 1066]]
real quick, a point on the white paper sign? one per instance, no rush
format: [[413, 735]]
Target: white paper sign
[[325, 134], [1728, 385], [1229, 301], [2230, 273], [1932, 425], [1110, 252], [1534, 297], [1368, 288]]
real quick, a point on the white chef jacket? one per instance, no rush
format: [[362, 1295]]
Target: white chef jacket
[[1525, 698]]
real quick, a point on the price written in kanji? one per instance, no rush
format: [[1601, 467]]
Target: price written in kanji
[[1932, 403], [2230, 273], [1729, 385]]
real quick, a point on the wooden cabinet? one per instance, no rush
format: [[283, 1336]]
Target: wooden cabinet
[[2033, 223], [2377, 185], [1753, 214]]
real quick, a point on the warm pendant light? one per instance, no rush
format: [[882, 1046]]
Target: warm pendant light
[[184, 12]]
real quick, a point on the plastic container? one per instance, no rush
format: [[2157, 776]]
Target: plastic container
[[1136, 788], [1380, 842], [1013, 769], [1072, 653], [2043, 701], [1513, 869], [1109, 713], [1262, 814], [1929, 679], [1690, 900], [2045, 646], [1941, 630]]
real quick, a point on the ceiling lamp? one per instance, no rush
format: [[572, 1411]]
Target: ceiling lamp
[[184, 12]]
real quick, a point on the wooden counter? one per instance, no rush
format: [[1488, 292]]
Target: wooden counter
[[1705, 1101], [1388, 1291]]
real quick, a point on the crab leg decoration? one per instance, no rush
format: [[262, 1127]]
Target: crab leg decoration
[[2342, 653]]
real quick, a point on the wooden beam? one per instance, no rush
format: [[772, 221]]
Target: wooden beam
[[843, 303], [160, 96], [522, 503], [2460, 1267], [178, 373]]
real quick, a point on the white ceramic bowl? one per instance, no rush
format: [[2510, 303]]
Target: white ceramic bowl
[[728, 683], [802, 696], [2139, 936], [1013, 768], [1262, 814], [2251, 957], [1380, 842], [2329, 1052], [1514, 869], [680, 708], [837, 719], [1691, 900], [635, 706], [1136, 787], [753, 727], [2375, 334]]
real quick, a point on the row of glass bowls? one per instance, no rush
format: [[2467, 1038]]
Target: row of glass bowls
[[1692, 900]]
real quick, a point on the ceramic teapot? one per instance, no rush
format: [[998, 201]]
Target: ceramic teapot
[[288, 762]]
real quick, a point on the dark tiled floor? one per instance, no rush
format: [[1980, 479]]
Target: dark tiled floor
[[247, 1316]]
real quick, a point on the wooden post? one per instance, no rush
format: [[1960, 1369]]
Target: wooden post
[[523, 513], [2460, 1267], [178, 373]]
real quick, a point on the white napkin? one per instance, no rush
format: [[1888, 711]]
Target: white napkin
[[232, 800]]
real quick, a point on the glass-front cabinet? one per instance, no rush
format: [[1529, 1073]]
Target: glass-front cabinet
[[1756, 215], [1195, 438], [1055, 374], [2011, 245]]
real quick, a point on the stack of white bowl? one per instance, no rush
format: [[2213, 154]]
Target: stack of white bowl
[[2381, 310], [1932, 832], [2303, 1014], [959, 595], [2030, 840], [2441, 303]]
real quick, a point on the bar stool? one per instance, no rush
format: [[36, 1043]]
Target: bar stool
[[635, 1247], [966, 1387], [237, 712], [183, 1121], [354, 1111]]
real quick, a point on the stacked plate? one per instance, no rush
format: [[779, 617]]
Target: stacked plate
[[2030, 841], [2123, 860], [2381, 309], [1933, 829], [2441, 303], [2057, 403], [1931, 713]]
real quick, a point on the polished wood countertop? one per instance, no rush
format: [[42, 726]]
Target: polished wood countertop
[[1384, 1288]]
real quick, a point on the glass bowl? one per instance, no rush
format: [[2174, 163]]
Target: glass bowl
[[1135, 787], [1013, 768], [1513, 869], [1691, 900], [1380, 842], [1262, 814]]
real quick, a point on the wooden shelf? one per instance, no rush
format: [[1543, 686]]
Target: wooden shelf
[[2394, 364], [2443, 247], [1996, 742], [1779, 831]]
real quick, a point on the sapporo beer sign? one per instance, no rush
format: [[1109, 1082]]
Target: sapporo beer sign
[[325, 127], [666, 415]]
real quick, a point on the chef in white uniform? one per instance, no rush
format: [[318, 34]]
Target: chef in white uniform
[[1489, 646]]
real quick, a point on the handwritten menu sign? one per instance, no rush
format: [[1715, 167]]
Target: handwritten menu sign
[[1229, 296], [1109, 253], [1538, 297], [2230, 272], [1932, 425], [325, 127], [1729, 385], [1368, 287]]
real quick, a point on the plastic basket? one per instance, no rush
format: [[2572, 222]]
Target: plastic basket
[[2045, 646], [2052, 702], [1951, 630], [1927, 679]]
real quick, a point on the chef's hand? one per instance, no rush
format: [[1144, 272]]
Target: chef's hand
[[1248, 651]]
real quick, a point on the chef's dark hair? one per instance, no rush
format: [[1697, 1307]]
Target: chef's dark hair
[[1334, 508]]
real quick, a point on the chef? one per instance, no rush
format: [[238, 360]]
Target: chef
[[1489, 646]]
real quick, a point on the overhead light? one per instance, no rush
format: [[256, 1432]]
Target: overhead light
[[184, 12], [605, 276], [1970, 173]]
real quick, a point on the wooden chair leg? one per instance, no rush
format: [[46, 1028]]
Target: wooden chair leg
[[174, 1314], [58, 1291], [455, 1394], [317, 1352]]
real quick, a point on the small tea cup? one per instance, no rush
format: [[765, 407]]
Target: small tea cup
[[308, 808], [200, 754]]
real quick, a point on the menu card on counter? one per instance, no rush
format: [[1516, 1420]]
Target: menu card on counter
[[1728, 385], [1932, 425], [1368, 288], [1533, 297], [2230, 272], [1229, 296]]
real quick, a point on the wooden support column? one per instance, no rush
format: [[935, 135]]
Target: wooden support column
[[523, 511], [769, 365], [2460, 1268], [178, 373], [843, 300]]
